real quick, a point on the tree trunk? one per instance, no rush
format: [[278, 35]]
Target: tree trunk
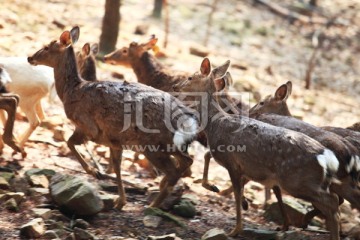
[[158, 5], [110, 27]]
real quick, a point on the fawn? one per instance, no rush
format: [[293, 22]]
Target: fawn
[[274, 156], [108, 113], [9, 103], [274, 110]]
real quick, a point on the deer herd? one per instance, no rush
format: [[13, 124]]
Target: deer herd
[[320, 165]]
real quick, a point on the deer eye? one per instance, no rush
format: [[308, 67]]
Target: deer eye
[[261, 103], [124, 50], [190, 78], [46, 48]]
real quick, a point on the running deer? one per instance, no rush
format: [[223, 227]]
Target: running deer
[[9, 103], [31, 84], [274, 156], [118, 114], [274, 110]]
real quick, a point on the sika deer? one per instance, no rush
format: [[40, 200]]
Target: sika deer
[[274, 156], [150, 71], [105, 112], [9, 103], [268, 110], [32, 84], [86, 61]]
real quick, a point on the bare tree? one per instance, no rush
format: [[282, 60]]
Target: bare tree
[[158, 5], [110, 26]]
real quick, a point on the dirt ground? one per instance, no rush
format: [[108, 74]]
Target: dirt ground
[[270, 50]]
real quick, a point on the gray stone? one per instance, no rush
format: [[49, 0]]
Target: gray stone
[[152, 221], [37, 171], [75, 194], [108, 200], [37, 192], [39, 181], [50, 234], [215, 234], [11, 205], [33, 229], [44, 213], [7, 175], [18, 197], [4, 184], [19, 184], [185, 208], [54, 224], [164, 237], [81, 234], [81, 223], [292, 235], [257, 234]]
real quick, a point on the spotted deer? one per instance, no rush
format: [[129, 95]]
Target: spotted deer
[[274, 156], [118, 114], [274, 110], [9, 103]]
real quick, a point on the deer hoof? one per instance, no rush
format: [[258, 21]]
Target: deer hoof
[[214, 188], [119, 204]]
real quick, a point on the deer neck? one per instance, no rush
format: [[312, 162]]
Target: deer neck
[[145, 66], [66, 73]]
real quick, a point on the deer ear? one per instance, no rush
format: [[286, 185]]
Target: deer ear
[[86, 49], [75, 33], [95, 48], [65, 38], [205, 67], [220, 71], [289, 86], [228, 80], [281, 93], [150, 44], [220, 84]]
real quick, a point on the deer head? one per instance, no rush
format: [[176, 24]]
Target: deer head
[[206, 80], [47, 55], [123, 56], [274, 104]]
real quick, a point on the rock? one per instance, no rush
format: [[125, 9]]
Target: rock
[[215, 234], [4, 184], [37, 171], [37, 192], [81, 234], [19, 184], [192, 198], [157, 212], [75, 195], [11, 205], [152, 221], [292, 235], [44, 213], [185, 209], [18, 197], [81, 223], [108, 200], [39, 181], [7, 175], [164, 237], [199, 51], [257, 234], [293, 209], [50, 234], [52, 224], [33, 229]]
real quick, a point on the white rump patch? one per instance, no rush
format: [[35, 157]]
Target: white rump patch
[[354, 164], [5, 77], [186, 131], [328, 161]]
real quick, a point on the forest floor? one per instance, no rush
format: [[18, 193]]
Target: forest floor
[[266, 50]]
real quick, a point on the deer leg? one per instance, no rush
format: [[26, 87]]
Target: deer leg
[[328, 204], [39, 110], [78, 138], [238, 184], [205, 180], [9, 104], [34, 121], [277, 192], [116, 157]]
